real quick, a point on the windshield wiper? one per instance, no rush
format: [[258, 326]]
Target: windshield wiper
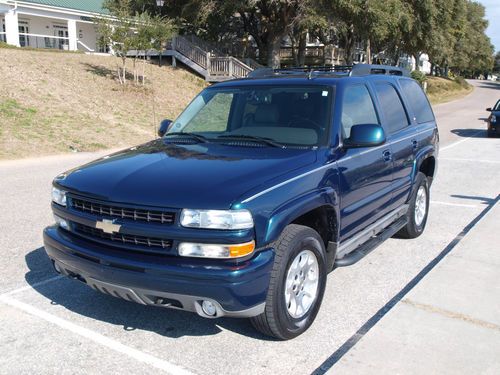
[[267, 141], [198, 137]]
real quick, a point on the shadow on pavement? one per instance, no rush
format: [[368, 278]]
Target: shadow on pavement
[[489, 85], [471, 133], [81, 299], [483, 200]]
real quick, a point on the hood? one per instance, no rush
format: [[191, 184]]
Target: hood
[[204, 176]]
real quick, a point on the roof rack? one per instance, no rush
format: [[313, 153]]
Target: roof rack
[[369, 69], [357, 70]]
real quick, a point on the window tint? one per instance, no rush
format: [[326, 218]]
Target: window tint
[[418, 101], [357, 108], [392, 107]]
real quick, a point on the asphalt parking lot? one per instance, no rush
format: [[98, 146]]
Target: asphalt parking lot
[[50, 324]]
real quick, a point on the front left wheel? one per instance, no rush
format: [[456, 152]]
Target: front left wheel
[[297, 284]]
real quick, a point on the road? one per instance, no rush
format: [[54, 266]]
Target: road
[[50, 324]]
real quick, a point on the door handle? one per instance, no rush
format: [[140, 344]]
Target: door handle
[[387, 155], [414, 144]]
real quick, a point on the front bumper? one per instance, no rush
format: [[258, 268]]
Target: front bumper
[[236, 290]]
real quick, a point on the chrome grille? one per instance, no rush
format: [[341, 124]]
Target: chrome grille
[[123, 212], [94, 233]]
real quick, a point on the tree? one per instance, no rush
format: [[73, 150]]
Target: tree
[[126, 32]]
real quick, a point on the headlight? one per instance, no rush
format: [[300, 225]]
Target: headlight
[[59, 196], [493, 118], [199, 250], [217, 219]]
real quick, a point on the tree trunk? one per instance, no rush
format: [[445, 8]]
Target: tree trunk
[[273, 53], [368, 52], [302, 49], [417, 61], [294, 52]]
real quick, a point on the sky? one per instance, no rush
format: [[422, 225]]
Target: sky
[[493, 16]]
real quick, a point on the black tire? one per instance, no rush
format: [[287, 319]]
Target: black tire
[[490, 134], [412, 229], [276, 321]]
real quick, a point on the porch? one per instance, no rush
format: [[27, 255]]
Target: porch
[[27, 26]]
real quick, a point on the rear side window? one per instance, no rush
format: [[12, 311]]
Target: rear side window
[[392, 107], [418, 101], [357, 108]]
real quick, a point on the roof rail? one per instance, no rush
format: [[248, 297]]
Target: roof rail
[[310, 71], [369, 69], [357, 70]]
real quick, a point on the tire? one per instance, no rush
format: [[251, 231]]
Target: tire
[[490, 134], [280, 319], [416, 221]]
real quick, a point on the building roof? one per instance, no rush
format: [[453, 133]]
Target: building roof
[[91, 6]]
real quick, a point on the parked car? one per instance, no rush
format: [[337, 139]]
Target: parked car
[[258, 190], [494, 120]]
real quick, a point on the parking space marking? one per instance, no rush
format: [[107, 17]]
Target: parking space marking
[[454, 204], [96, 337], [461, 141], [472, 160], [374, 319], [31, 286]]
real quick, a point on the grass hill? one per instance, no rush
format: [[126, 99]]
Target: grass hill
[[442, 90], [52, 103]]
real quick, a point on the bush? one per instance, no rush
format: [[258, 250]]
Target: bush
[[461, 81], [419, 76]]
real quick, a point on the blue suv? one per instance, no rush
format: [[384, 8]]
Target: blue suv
[[258, 190]]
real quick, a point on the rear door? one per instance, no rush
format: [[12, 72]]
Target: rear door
[[401, 136], [365, 173]]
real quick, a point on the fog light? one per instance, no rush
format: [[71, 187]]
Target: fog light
[[63, 223], [209, 308]]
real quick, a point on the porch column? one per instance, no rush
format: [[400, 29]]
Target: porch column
[[12, 28], [73, 45]]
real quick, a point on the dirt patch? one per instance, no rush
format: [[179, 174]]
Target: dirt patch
[[65, 102]]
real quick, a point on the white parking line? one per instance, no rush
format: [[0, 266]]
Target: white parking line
[[454, 204], [462, 141], [472, 160], [96, 337], [31, 286]]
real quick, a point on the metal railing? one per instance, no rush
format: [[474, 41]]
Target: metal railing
[[43, 41], [85, 47]]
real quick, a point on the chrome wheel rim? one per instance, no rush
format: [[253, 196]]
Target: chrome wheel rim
[[420, 205], [302, 283]]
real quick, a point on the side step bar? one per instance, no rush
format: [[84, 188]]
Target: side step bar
[[366, 248]]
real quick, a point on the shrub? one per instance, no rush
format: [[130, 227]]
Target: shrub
[[419, 76], [461, 81]]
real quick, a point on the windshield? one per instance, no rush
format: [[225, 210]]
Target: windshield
[[497, 106], [285, 115]]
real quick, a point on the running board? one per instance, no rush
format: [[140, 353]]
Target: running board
[[366, 248]]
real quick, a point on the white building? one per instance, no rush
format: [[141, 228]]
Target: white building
[[57, 24], [409, 63]]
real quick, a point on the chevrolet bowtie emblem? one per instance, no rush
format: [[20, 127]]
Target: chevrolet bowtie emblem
[[108, 226]]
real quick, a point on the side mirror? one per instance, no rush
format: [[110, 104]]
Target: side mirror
[[164, 126], [366, 135], [488, 109]]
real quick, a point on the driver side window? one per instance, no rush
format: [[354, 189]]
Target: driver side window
[[357, 109]]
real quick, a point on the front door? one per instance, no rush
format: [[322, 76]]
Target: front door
[[24, 40], [365, 173], [61, 32]]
